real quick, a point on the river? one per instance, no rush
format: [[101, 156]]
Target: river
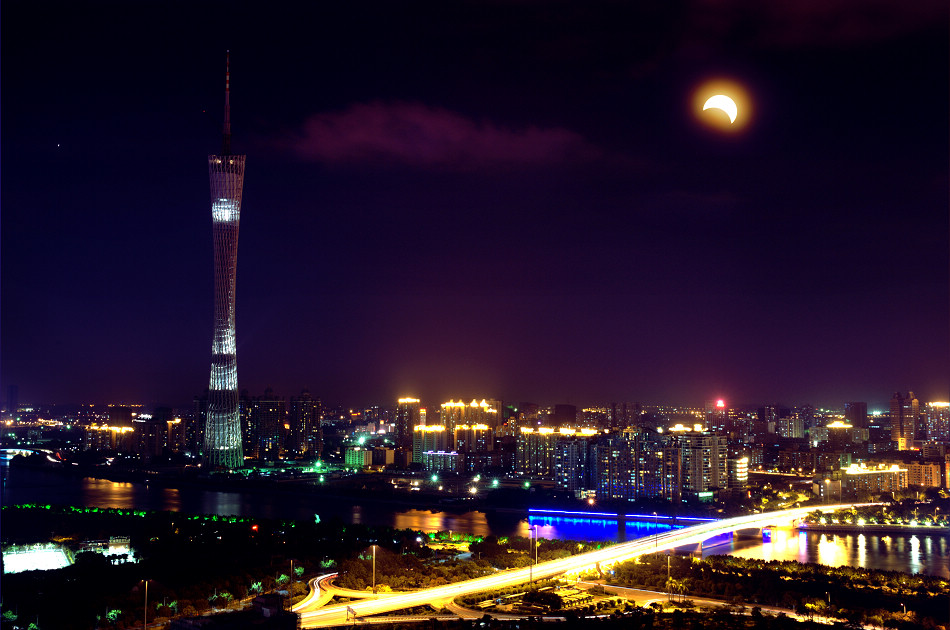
[[903, 552]]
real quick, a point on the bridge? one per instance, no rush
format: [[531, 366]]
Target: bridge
[[315, 614]]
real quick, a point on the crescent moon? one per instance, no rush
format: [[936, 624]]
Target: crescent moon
[[723, 102]]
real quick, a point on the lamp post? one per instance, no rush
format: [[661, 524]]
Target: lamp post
[[656, 532], [530, 566], [145, 611], [669, 586], [374, 569], [535, 544]]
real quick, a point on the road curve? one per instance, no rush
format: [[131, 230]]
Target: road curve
[[312, 616]]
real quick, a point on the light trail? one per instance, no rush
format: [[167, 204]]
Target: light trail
[[600, 558]]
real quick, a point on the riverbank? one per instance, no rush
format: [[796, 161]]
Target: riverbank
[[353, 490], [875, 528]]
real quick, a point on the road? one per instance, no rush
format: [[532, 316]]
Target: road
[[315, 614]]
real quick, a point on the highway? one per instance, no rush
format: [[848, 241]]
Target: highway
[[315, 614]]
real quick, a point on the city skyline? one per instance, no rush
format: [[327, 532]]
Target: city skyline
[[508, 200]]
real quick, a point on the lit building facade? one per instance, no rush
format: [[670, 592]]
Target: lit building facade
[[222, 436], [476, 438], [573, 467], [937, 421], [863, 481], [408, 417], [535, 451], [429, 437], [905, 411], [268, 416], [456, 413]]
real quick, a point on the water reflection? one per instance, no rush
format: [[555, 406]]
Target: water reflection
[[468, 522], [915, 554], [225, 503], [871, 551], [926, 554]]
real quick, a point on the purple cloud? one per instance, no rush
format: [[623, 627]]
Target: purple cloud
[[417, 135]]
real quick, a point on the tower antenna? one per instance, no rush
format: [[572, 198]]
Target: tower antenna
[[226, 142]]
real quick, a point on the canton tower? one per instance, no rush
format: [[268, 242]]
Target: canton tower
[[222, 439]]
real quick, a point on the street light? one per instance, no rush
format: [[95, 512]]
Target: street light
[[530, 566], [656, 532], [535, 543], [374, 569], [145, 612]]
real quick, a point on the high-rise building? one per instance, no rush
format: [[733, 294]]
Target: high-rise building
[[429, 437], [702, 462], [408, 417], [458, 413], [904, 417], [937, 421], [222, 439], [572, 460], [535, 454], [268, 415], [303, 435], [856, 414]]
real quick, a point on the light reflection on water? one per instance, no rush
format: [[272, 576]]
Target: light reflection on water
[[928, 554], [899, 552]]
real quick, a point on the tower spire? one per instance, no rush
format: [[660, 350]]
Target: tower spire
[[226, 142]]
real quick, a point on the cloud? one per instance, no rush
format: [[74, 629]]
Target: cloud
[[818, 23], [427, 137]]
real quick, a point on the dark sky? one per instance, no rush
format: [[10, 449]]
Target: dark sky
[[507, 199]]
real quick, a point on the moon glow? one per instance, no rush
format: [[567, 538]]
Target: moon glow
[[723, 102]]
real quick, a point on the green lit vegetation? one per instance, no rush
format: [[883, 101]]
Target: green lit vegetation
[[395, 571], [193, 563]]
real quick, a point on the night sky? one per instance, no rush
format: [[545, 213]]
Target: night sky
[[508, 199]]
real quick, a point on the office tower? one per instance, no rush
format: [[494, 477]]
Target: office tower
[[174, 428], [408, 417], [150, 438], [904, 412], [856, 414], [268, 415], [303, 435], [222, 439], [717, 416]]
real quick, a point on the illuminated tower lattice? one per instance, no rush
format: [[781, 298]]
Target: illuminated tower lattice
[[222, 440]]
